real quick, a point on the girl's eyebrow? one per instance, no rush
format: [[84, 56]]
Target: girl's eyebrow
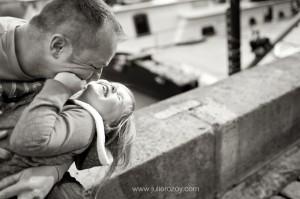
[[118, 92], [121, 95]]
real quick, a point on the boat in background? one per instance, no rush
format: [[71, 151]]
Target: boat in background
[[174, 40], [163, 23], [191, 35]]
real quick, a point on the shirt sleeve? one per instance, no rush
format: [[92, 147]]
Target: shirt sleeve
[[62, 169], [46, 129]]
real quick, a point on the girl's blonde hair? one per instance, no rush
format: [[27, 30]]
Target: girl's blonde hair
[[120, 135]]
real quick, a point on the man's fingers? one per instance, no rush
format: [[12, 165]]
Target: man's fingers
[[10, 180], [30, 195], [25, 195], [4, 154], [3, 134], [13, 190], [83, 84]]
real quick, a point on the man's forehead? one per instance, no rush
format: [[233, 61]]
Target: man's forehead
[[107, 37]]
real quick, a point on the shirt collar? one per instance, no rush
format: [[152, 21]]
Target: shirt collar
[[12, 55]]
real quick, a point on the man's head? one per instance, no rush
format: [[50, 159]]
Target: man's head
[[78, 36]]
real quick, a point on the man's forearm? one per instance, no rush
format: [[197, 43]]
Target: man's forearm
[[34, 182]]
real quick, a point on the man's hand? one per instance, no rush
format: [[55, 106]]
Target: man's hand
[[30, 183], [3, 134], [70, 80]]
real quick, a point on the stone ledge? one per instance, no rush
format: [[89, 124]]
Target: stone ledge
[[213, 137], [271, 179], [178, 146]]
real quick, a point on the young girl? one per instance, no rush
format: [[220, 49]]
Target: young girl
[[53, 129]]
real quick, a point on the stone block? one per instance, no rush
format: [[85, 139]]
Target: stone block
[[213, 138], [270, 179], [173, 158], [292, 191], [277, 197], [259, 117]]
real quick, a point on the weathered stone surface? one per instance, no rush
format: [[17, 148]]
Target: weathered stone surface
[[292, 190], [265, 102], [269, 180], [215, 137], [170, 155], [258, 114], [277, 197], [223, 121]]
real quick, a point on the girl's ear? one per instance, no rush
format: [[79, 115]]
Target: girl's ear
[[107, 128]]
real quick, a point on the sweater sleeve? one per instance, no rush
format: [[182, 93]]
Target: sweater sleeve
[[62, 169], [46, 129]]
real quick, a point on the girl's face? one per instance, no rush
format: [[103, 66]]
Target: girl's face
[[111, 100]]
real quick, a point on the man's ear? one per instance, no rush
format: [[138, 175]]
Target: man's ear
[[60, 46]]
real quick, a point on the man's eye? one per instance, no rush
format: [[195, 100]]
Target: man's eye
[[93, 66]]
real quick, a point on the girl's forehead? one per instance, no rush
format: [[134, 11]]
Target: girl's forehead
[[125, 92]]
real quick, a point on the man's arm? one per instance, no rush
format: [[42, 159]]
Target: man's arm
[[35, 182]]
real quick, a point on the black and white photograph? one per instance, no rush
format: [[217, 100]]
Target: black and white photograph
[[149, 99]]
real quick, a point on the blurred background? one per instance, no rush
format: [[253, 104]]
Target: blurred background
[[174, 46]]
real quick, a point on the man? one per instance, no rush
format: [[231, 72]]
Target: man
[[77, 36]]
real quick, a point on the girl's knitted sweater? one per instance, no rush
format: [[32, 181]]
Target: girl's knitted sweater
[[50, 131]]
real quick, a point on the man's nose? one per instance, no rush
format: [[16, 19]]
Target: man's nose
[[98, 73]]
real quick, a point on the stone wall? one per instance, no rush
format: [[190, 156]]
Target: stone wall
[[203, 142]]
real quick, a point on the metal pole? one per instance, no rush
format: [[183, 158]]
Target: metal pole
[[291, 26], [234, 37]]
